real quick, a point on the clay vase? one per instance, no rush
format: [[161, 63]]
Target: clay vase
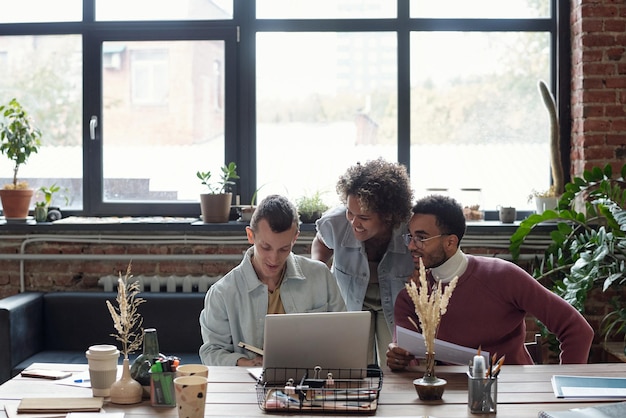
[[127, 390]]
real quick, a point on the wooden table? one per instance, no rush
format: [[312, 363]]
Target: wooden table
[[522, 392]]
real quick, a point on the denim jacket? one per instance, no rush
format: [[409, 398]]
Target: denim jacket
[[236, 305], [351, 268]]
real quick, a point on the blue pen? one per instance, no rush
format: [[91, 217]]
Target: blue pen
[[81, 380]]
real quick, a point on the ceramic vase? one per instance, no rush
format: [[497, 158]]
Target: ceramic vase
[[430, 387], [127, 390], [140, 369]]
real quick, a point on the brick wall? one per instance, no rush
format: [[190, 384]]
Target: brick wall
[[598, 83]]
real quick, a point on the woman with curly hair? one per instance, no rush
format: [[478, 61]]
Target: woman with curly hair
[[364, 239]]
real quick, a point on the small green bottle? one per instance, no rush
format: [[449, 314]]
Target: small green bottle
[[140, 369]]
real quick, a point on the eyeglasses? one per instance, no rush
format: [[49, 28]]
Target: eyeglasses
[[419, 242]]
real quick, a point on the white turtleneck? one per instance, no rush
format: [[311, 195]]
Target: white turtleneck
[[453, 267]]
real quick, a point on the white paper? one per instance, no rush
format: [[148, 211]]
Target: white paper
[[256, 372], [445, 352]]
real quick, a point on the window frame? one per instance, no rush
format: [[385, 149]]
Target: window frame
[[239, 98]]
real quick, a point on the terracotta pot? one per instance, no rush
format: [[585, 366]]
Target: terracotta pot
[[215, 208], [16, 203]]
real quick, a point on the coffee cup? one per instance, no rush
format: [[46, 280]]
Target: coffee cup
[[190, 396], [192, 370], [507, 214], [102, 360]]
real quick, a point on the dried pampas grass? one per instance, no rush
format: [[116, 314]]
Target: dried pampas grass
[[428, 307], [126, 319]]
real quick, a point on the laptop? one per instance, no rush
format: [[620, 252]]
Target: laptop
[[331, 340]]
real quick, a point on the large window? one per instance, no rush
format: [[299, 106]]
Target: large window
[[135, 96]]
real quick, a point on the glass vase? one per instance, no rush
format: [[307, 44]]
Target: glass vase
[[127, 390], [430, 387], [140, 370]]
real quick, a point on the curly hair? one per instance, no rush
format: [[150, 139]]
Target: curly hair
[[381, 187]]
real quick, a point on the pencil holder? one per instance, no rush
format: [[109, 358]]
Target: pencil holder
[[162, 389], [482, 394]]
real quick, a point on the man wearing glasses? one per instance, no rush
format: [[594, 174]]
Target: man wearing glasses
[[492, 297]]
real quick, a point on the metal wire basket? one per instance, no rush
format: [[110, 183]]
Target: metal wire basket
[[292, 390]]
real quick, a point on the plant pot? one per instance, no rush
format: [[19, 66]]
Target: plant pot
[[246, 213], [545, 203], [16, 203], [41, 213], [215, 208], [309, 218]]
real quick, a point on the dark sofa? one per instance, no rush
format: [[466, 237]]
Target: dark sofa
[[59, 327]]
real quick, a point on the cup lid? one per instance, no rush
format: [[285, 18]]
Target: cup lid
[[102, 350]]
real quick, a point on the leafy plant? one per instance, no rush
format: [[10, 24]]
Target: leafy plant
[[229, 173], [588, 248], [310, 207], [18, 138], [48, 193]]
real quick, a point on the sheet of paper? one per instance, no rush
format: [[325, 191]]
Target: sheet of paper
[[446, 352], [256, 372]]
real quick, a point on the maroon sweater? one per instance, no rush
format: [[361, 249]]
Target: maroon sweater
[[488, 307]]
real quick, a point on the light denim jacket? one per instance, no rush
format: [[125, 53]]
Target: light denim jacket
[[235, 307], [351, 268]]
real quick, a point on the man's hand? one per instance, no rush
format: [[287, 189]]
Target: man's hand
[[247, 362], [398, 358]]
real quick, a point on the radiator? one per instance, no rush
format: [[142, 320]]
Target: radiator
[[163, 283]]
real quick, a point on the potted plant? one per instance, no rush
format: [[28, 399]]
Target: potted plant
[[18, 140], [588, 249], [311, 208], [43, 207], [544, 199], [215, 205]]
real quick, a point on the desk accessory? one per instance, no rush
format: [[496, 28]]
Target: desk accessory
[[295, 390]]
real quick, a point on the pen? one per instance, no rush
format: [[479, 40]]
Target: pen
[[81, 380]]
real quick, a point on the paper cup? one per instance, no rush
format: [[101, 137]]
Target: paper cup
[[192, 370], [102, 360], [190, 396]]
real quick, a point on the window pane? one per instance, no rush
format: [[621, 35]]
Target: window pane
[[496, 9], [27, 11], [113, 10], [163, 118], [477, 118], [325, 9], [44, 73], [324, 102]]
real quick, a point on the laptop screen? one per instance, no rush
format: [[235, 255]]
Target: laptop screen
[[331, 340]]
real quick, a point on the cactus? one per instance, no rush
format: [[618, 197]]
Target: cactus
[[558, 177]]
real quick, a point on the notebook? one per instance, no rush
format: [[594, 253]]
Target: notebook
[[331, 340]]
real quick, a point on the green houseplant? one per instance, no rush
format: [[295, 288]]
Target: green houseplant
[[588, 249], [215, 204], [43, 206], [311, 207], [18, 140]]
